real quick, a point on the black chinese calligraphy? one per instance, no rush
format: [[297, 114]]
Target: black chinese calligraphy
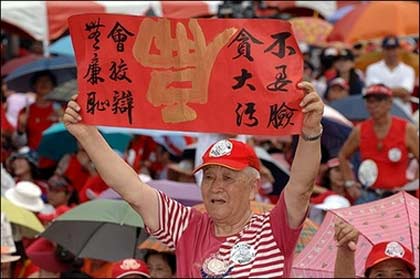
[[93, 105], [119, 71], [93, 28], [245, 75], [123, 102], [119, 34], [281, 117], [93, 71], [244, 46], [281, 80], [248, 111], [280, 41]]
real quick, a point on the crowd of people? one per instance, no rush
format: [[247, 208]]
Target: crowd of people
[[228, 240]]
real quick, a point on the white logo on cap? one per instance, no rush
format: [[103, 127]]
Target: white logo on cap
[[221, 148], [394, 249], [129, 264]]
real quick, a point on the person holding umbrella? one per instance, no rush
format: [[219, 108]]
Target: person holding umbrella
[[385, 142], [387, 259], [221, 242]]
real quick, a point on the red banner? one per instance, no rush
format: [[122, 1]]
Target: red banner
[[209, 75]]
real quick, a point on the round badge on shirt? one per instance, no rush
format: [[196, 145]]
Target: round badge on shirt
[[214, 267], [394, 154], [242, 253]]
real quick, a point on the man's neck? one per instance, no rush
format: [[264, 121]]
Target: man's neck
[[391, 63], [223, 229]]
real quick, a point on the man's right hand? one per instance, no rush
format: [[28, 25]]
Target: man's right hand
[[71, 119], [346, 235]]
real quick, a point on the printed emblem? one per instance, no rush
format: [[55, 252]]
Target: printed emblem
[[394, 154], [214, 267], [394, 249], [221, 148], [242, 253], [129, 264]]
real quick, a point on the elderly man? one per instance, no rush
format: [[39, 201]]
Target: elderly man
[[229, 240], [385, 141]]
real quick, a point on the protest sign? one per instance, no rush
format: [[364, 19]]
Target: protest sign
[[208, 75]]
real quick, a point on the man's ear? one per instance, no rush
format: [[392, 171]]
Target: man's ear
[[254, 188]]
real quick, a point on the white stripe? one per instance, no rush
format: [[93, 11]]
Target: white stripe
[[275, 263]]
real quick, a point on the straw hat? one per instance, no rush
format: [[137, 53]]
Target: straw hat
[[26, 195]]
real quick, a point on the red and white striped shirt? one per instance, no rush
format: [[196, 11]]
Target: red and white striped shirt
[[268, 240]]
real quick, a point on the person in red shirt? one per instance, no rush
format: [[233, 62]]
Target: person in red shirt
[[222, 241], [39, 116], [383, 139]]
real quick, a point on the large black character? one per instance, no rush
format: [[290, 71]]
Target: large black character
[[245, 75], [249, 110], [119, 72], [281, 80], [93, 27], [244, 47], [280, 41], [122, 103], [119, 35], [93, 71], [281, 117], [92, 105]]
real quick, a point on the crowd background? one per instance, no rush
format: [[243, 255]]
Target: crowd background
[[48, 185]]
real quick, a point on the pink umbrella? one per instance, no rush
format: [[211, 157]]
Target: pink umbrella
[[392, 218]]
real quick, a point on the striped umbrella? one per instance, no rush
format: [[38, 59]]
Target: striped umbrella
[[392, 218]]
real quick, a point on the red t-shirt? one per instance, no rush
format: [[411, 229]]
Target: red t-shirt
[[74, 171], [38, 121], [392, 156], [264, 248]]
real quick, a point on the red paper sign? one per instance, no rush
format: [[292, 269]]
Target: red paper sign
[[209, 75]]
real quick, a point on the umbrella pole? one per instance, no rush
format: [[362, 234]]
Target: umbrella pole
[[46, 35]]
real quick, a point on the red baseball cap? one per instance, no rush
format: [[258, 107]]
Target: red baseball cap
[[130, 266], [231, 154], [377, 89], [389, 250]]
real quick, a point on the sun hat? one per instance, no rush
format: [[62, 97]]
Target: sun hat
[[130, 266], [389, 250], [26, 153], [230, 153], [377, 90], [390, 42], [26, 195], [339, 82], [333, 202], [6, 256]]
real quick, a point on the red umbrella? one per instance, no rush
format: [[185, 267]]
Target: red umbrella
[[376, 19], [392, 218], [15, 63]]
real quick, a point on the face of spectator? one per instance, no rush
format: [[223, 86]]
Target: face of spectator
[[57, 196], [337, 180], [344, 65], [158, 267], [378, 106], [21, 166], [392, 268], [43, 85], [390, 54], [337, 92], [227, 193]]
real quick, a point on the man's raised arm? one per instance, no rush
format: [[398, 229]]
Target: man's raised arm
[[307, 158], [112, 168]]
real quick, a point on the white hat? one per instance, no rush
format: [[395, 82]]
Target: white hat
[[333, 202], [26, 195]]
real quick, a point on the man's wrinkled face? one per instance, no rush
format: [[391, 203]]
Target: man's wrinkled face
[[392, 268], [226, 193]]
